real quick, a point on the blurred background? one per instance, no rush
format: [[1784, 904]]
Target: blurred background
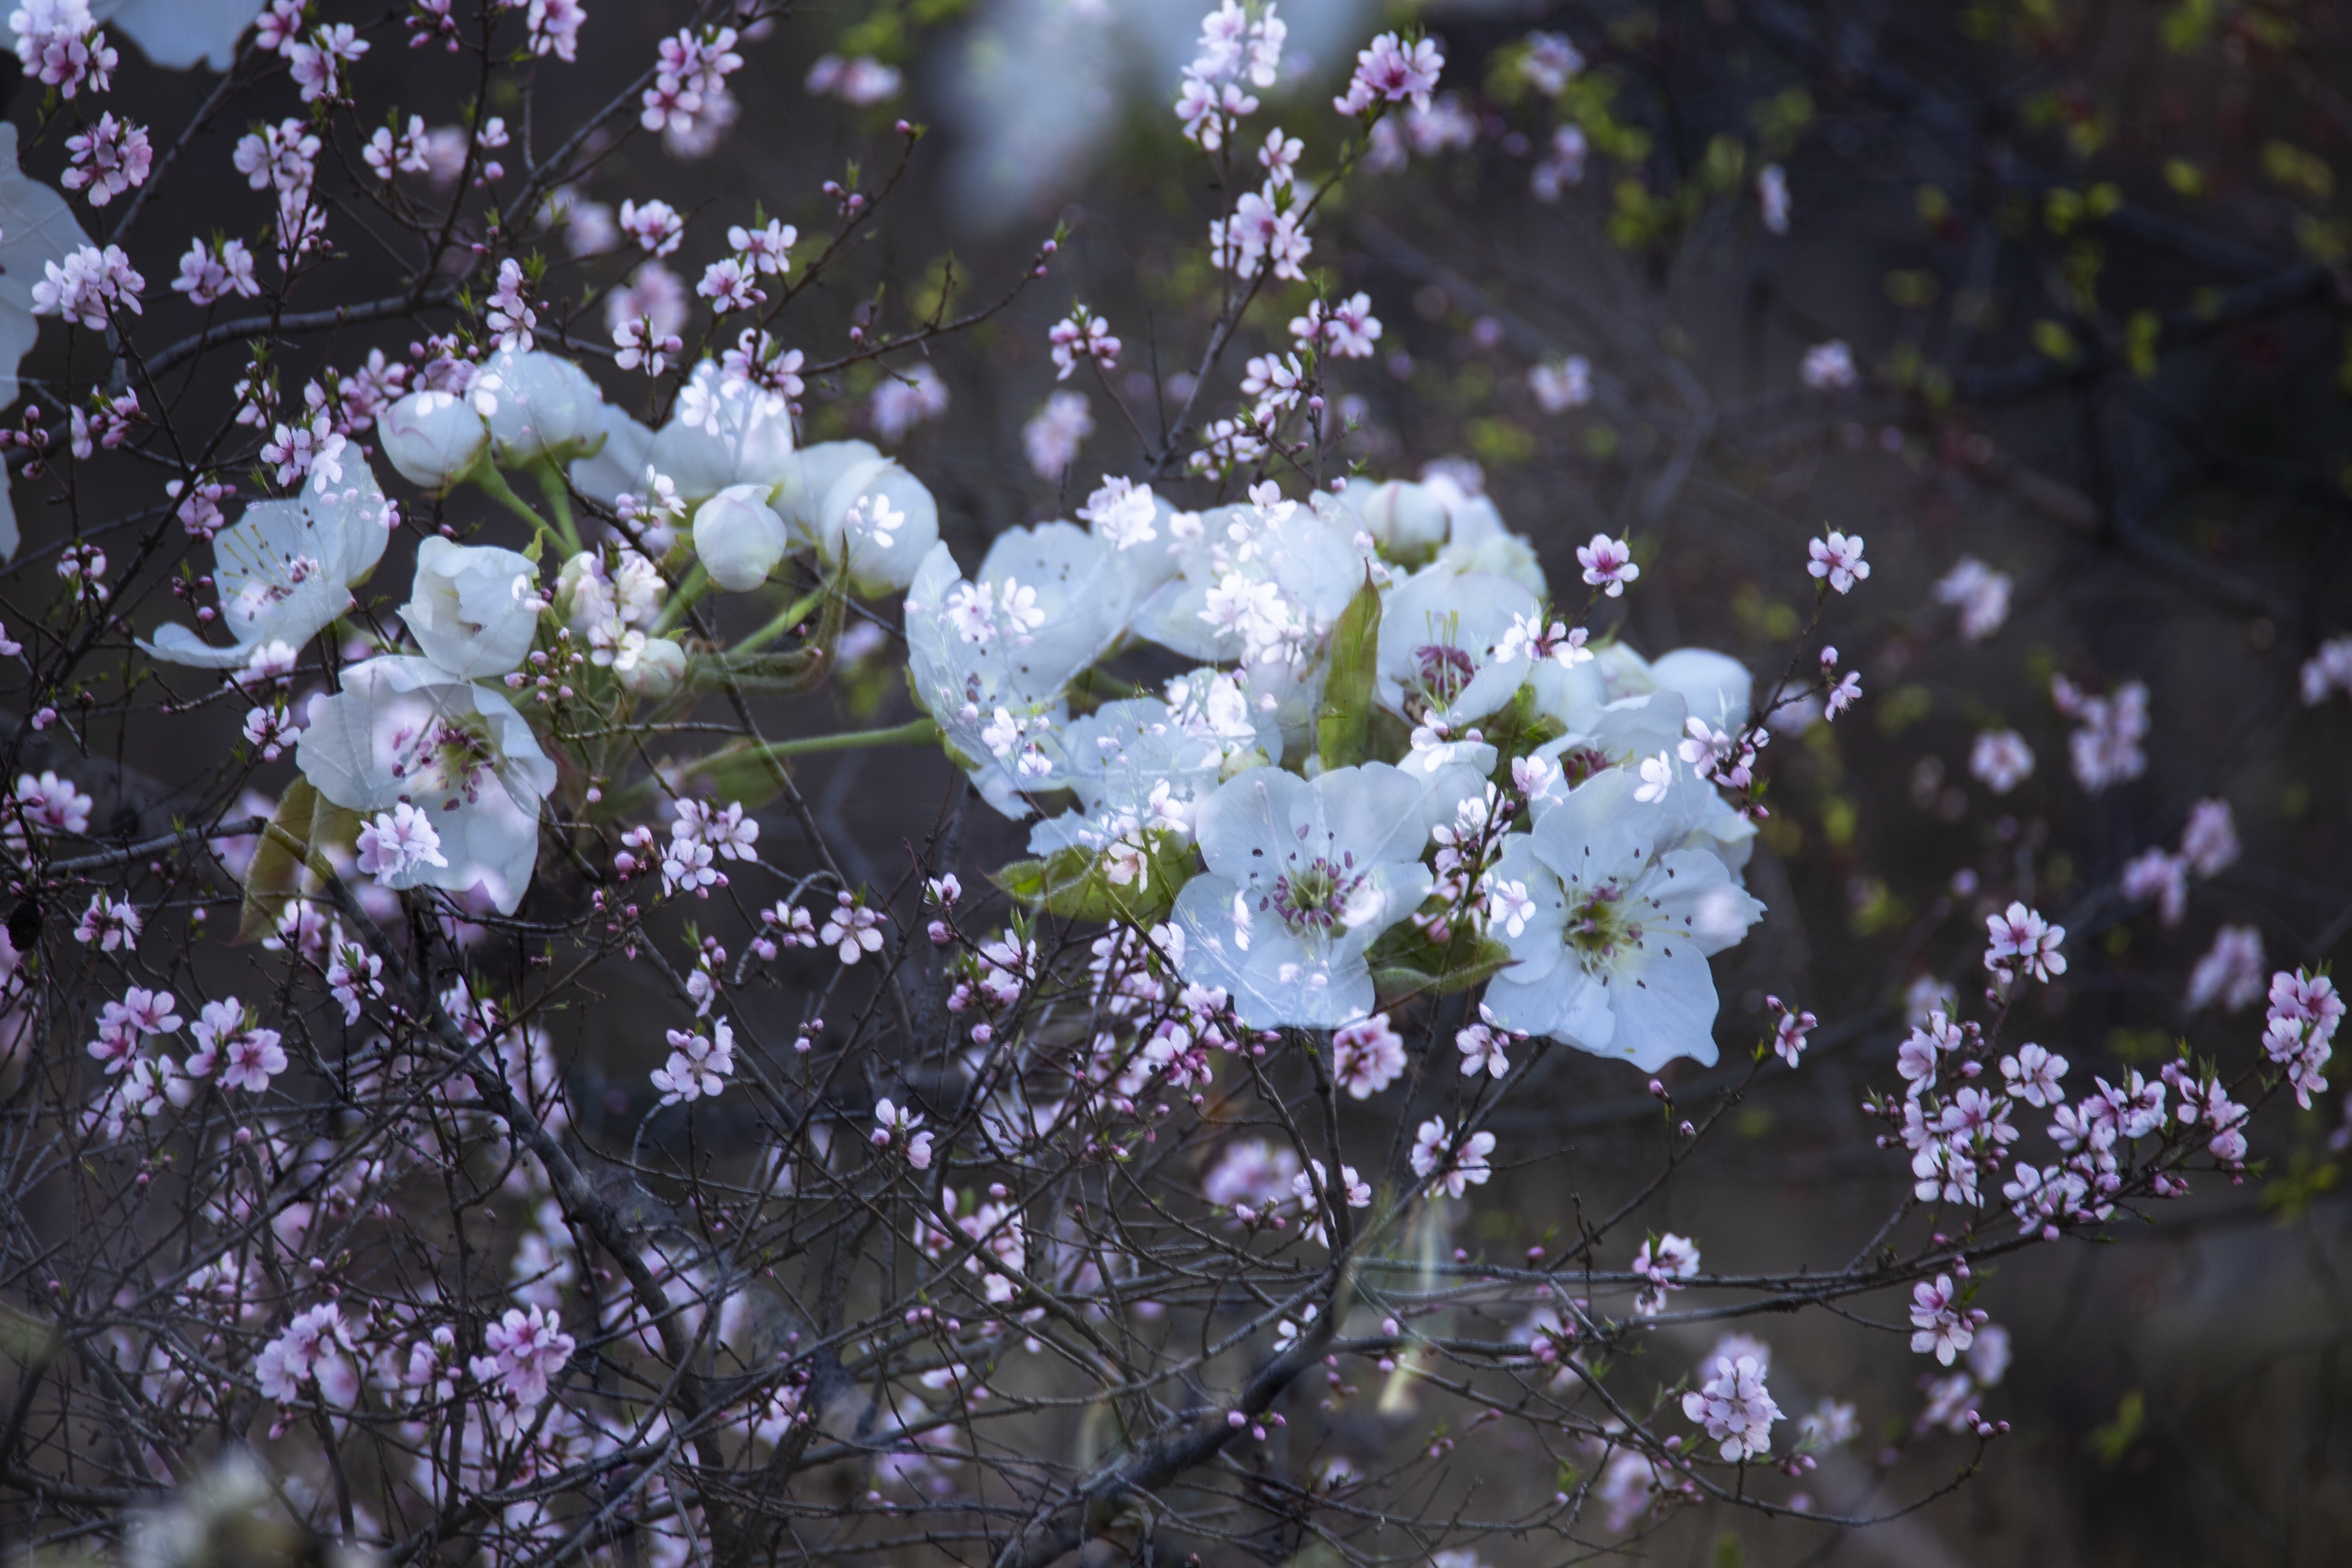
[[2089, 259]]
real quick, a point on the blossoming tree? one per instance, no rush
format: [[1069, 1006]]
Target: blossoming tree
[[975, 1205]]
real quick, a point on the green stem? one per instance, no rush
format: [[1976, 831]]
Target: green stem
[[494, 484], [559, 499], [915, 732], [791, 616], [697, 584]]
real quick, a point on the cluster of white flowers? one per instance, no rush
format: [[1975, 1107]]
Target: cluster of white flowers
[[1607, 894]]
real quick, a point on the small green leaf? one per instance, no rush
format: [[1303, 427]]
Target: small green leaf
[[1341, 729], [1072, 883], [2114, 1440], [1519, 731]]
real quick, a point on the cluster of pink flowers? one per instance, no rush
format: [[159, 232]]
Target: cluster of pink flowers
[[1452, 1161], [2299, 1031], [61, 47], [106, 159], [2209, 846], [1393, 71], [1082, 335], [701, 835], [1666, 1261], [1735, 1408], [700, 1065], [691, 77], [89, 286], [2105, 745], [1233, 48]]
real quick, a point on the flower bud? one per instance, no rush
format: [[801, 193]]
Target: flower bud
[[738, 537], [433, 438], [539, 405], [473, 608], [659, 671], [1405, 518]]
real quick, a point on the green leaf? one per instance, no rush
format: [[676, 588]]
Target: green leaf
[[1340, 729], [1406, 964], [1519, 731], [304, 826], [1072, 883]]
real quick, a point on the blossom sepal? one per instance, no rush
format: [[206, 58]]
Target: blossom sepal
[[302, 830], [1343, 727]]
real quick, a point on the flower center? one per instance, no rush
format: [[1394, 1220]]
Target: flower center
[[1579, 763], [1316, 896], [1444, 672], [1601, 926], [449, 759]]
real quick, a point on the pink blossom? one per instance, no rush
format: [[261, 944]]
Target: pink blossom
[[2210, 842], [316, 1344], [1829, 367], [1735, 1408], [1455, 1169], [1666, 1261], [699, 1064], [1942, 1326], [1838, 558], [51, 804], [1789, 1030], [109, 158], [398, 841], [88, 286], [1980, 594], [2032, 1075], [728, 285], [2328, 669], [109, 923], [1392, 71], [1367, 1057], [2000, 760], [2231, 973], [1081, 335], [555, 27], [60, 45], [1608, 564], [530, 1348], [851, 930], [655, 225], [2020, 940], [2162, 876], [209, 273]]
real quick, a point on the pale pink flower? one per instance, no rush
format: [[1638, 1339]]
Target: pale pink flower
[[1838, 558], [1608, 564], [1367, 1057], [529, 1349], [1735, 1408], [1456, 1170]]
